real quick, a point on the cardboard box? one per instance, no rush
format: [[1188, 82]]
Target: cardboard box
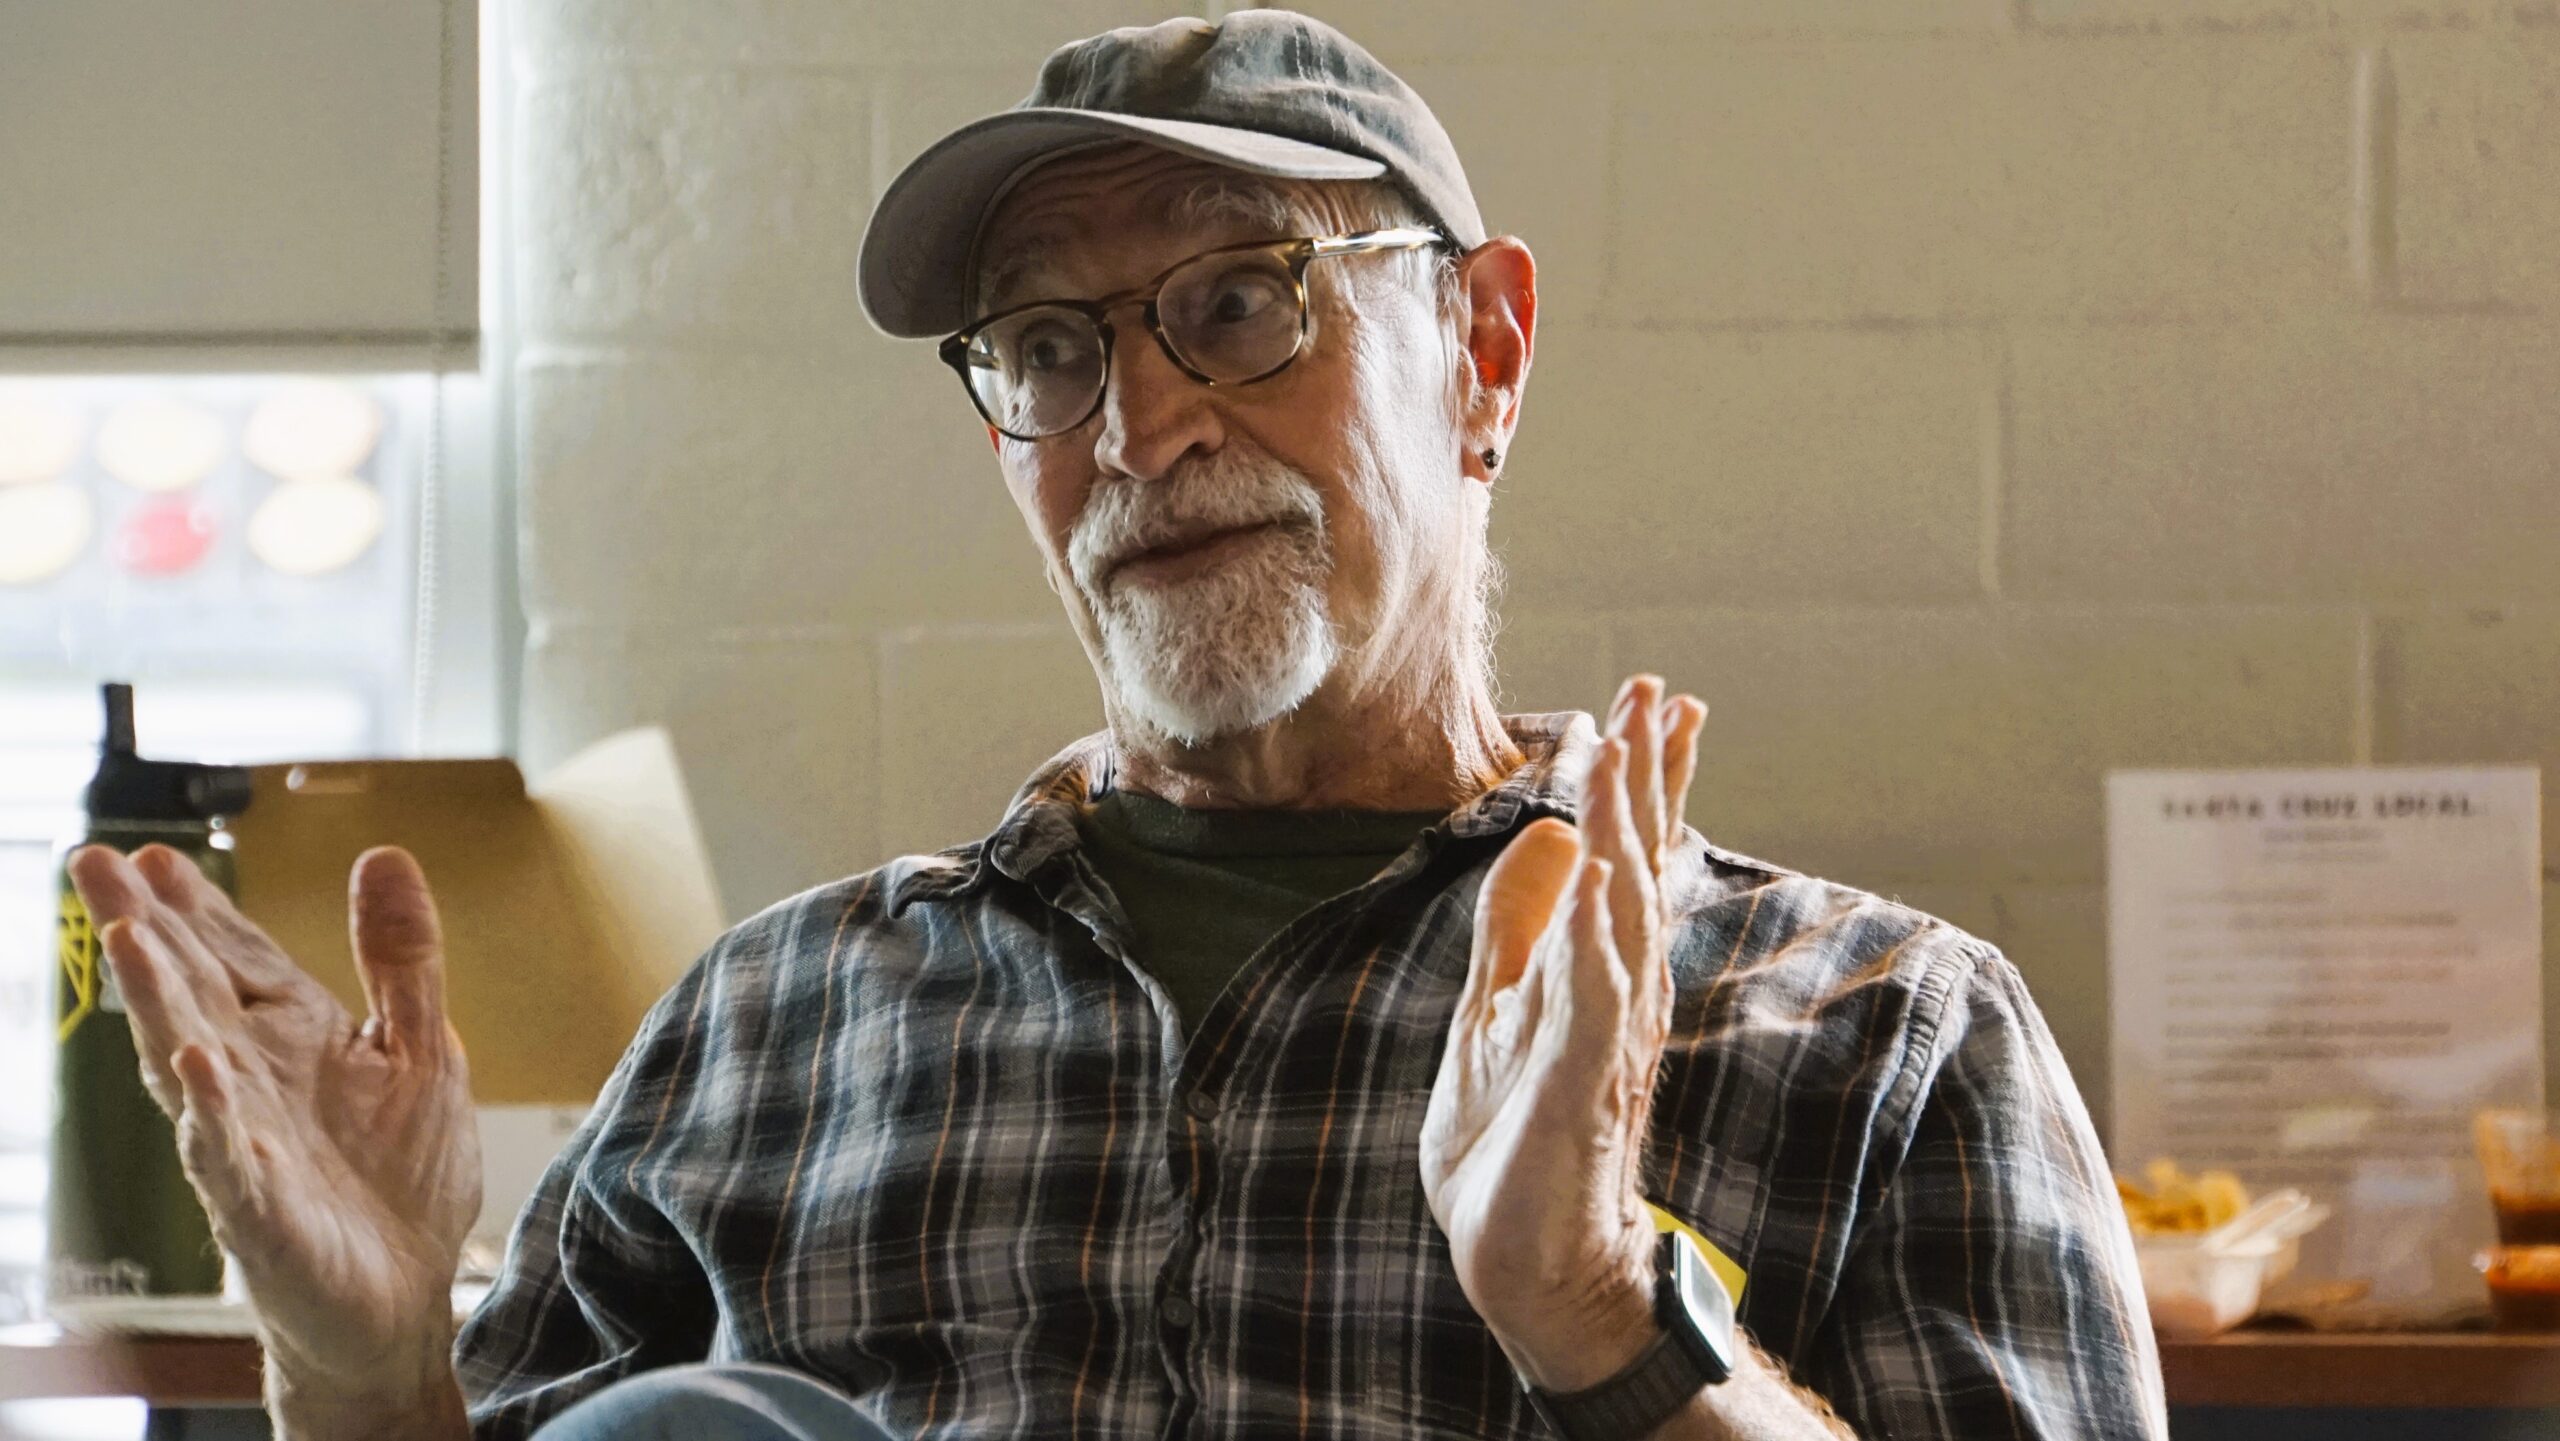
[[568, 906]]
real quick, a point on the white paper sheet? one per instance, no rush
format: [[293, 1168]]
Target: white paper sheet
[[2316, 976], [517, 1144]]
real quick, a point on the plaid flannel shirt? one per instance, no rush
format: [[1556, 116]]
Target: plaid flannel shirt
[[925, 1134]]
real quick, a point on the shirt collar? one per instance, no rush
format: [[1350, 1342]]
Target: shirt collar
[[1040, 823]]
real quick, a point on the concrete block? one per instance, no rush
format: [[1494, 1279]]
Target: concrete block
[[1556, 662], [2479, 167], [2479, 688], [2225, 16], [555, 33], [1415, 32], [693, 207], [1962, 177], [1534, 140], [774, 729], [967, 713], [2372, 458], [2192, 176], [1808, 182], [1875, 747], [552, 34], [1748, 468], [2057, 936], [686, 490], [919, 104]]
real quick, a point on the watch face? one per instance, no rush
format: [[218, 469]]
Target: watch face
[[1709, 1306]]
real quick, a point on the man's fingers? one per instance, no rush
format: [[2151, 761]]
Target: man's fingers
[[1586, 984], [1609, 831], [1643, 731], [1688, 715], [108, 885], [184, 895], [157, 1031], [251, 958], [159, 891], [205, 1079], [172, 990], [209, 1136], [174, 879], [1635, 723], [399, 948]]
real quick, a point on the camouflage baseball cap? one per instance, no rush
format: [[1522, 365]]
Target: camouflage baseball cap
[[1269, 92]]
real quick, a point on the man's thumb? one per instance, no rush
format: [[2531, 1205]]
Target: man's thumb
[[1520, 895], [399, 947]]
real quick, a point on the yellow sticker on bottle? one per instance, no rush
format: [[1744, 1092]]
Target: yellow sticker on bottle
[[77, 946], [1724, 1266]]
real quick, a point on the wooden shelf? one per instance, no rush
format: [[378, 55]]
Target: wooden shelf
[[2308, 1368], [2244, 1368], [39, 1361]]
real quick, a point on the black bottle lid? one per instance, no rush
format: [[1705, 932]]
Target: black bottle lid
[[129, 788]]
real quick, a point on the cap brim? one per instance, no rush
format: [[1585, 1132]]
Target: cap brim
[[916, 248]]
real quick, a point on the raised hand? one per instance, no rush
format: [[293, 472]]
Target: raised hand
[[1533, 1146], [338, 1161]]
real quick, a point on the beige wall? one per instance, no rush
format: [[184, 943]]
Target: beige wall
[[1965, 396]]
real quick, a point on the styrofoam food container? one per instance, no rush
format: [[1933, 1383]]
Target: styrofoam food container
[[2198, 1290]]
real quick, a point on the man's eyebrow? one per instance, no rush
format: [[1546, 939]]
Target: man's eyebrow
[[1022, 258], [1206, 205], [1224, 199]]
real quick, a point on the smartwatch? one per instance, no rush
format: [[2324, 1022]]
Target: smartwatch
[[1696, 1350]]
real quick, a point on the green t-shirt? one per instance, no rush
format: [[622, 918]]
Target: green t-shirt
[[1203, 889]]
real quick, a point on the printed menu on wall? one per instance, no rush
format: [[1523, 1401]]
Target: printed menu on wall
[[2316, 977]]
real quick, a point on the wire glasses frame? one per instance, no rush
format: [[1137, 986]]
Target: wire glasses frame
[[994, 356]]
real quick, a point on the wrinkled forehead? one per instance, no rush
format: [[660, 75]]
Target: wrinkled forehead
[[1102, 218]]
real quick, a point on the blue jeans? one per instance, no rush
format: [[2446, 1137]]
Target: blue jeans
[[734, 1401]]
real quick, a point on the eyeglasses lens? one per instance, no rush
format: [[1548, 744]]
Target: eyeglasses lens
[[1036, 372], [1230, 318]]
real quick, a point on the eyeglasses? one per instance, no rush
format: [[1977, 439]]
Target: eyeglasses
[[1229, 316]]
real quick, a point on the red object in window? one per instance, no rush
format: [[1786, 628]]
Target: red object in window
[[165, 537]]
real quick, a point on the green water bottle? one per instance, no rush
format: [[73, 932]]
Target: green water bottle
[[122, 1219]]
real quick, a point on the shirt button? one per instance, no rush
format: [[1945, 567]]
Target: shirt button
[[1201, 1106], [1180, 1313]]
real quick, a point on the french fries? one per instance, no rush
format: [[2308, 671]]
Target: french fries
[[2175, 1203]]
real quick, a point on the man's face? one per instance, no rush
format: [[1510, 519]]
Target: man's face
[[1226, 551]]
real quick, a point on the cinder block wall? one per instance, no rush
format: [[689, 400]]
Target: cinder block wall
[[1965, 396]]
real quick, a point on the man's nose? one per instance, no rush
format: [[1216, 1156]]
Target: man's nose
[[1152, 414]]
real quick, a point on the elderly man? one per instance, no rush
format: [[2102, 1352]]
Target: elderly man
[[1315, 1052]]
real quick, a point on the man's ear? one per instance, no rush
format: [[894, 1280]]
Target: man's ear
[[1500, 280], [995, 440]]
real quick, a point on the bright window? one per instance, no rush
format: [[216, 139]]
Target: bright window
[[248, 552]]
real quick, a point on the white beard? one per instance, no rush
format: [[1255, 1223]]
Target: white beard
[[1229, 648]]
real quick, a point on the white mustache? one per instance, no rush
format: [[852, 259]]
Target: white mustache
[[1227, 491]]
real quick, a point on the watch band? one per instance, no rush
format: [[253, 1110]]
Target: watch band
[[1694, 1351], [1629, 1404]]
